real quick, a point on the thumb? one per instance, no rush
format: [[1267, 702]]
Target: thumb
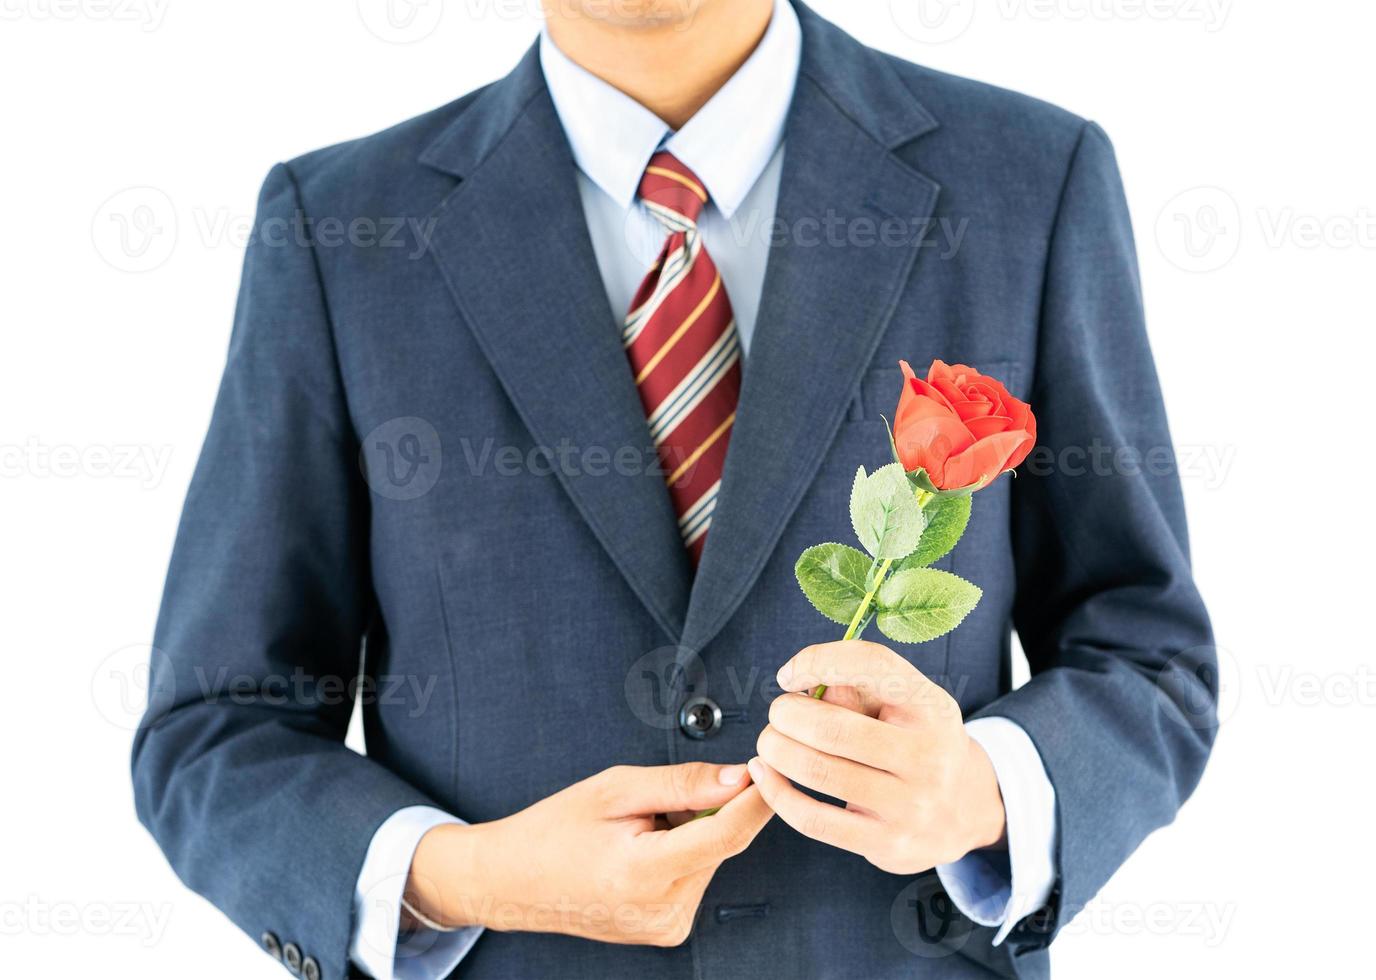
[[640, 790]]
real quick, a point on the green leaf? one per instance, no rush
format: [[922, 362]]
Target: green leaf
[[920, 604], [946, 521], [884, 512], [833, 577]]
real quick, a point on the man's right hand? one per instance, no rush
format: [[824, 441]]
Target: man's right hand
[[612, 858]]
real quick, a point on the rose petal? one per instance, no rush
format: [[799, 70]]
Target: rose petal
[[923, 388], [983, 461], [993, 387], [983, 428], [914, 407], [906, 395], [1016, 459], [918, 400], [939, 369], [975, 409], [985, 393], [964, 375], [929, 442], [1019, 414], [950, 390]]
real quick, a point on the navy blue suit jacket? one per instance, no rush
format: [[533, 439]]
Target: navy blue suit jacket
[[508, 557]]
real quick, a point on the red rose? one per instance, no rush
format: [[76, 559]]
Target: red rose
[[960, 426]]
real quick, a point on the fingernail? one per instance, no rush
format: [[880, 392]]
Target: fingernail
[[731, 775], [785, 675], [754, 766]]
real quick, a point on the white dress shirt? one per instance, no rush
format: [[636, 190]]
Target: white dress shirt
[[735, 145]]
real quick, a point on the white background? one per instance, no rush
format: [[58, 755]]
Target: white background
[[1260, 299]]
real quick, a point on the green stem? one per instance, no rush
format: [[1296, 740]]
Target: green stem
[[862, 614]]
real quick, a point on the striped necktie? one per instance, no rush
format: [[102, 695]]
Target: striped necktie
[[685, 353]]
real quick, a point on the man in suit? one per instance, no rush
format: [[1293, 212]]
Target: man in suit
[[549, 463]]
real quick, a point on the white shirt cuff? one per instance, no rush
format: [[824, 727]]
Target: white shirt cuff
[[376, 948], [1001, 888]]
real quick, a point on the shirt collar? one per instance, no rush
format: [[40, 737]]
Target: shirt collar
[[727, 143]]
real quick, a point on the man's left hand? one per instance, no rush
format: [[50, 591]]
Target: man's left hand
[[918, 790]]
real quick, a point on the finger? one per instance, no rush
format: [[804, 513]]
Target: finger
[[823, 822], [626, 791], [851, 699], [875, 670], [706, 843], [845, 697], [841, 732], [829, 774]]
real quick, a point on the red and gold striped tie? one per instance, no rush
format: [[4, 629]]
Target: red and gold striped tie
[[681, 338]]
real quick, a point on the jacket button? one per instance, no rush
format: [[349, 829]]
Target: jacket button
[[291, 956], [310, 969], [271, 945], [700, 718]]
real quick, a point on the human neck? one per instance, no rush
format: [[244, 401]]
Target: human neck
[[671, 67]]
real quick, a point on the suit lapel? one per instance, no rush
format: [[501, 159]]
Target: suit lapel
[[828, 295], [513, 245]]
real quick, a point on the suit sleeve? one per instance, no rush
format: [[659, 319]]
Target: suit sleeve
[[1121, 703], [240, 769]]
